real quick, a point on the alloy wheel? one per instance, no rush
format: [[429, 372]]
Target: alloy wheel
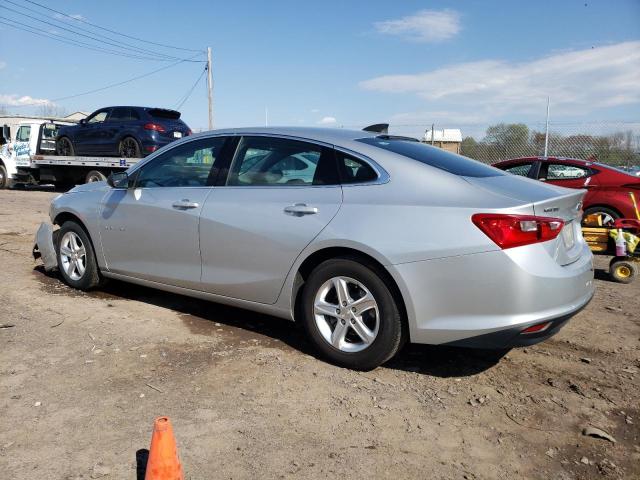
[[346, 314], [73, 256], [128, 148]]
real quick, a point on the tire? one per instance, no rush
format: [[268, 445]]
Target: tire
[[4, 177], [622, 271], [129, 147], [609, 214], [73, 239], [95, 176], [64, 147], [343, 345]]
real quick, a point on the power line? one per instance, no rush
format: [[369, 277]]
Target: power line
[[138, 51], [117, 84], [186, 96], [76, 27], [111, 31], [73, 42]]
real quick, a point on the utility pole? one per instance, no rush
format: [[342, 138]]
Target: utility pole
[[210, 88], [266, 116], [546, 133], [433, 125]]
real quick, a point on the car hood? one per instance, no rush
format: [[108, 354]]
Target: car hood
[[90, 187]]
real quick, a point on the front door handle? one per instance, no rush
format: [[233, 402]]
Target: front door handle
[[300, 209], [185, 204]]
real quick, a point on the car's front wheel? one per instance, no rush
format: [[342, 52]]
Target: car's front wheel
[[76, 258], [4, 177], [351, 315]]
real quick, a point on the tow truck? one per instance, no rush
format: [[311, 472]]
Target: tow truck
[[30, 159]]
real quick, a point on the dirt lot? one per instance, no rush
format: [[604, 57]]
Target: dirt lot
[[83, 376]]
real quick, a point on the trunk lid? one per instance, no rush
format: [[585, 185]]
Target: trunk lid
[[547, 201]]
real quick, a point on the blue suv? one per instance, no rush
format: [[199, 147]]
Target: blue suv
[[130, 132]]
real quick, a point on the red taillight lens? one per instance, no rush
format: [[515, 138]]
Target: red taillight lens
[[154, 126], [189, 132], [509, 231]]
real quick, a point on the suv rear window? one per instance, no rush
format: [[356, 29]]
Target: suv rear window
[[162, 113], [435, 157]]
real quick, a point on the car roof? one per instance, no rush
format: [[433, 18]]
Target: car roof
[[333, 136]]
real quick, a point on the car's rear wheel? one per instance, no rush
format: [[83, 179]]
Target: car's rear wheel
[[95, 176], [607, 215], [64, 147], [129, 148], [351, 315], [76, 258]]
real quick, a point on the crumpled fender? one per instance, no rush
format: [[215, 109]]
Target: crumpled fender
[[43, 246]]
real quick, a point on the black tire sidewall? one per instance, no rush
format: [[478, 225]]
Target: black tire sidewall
[[390, 330], [4, 181], [91, 275]]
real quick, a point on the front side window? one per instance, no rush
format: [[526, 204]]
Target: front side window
[[24, 132], [264, 161], [187, 165], [558, 171], [523, 169], [98, 117]]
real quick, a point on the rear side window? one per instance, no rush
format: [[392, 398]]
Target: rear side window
[[164, 114], [264, 161], [558, 171], [354, 170], [434, 157], [523, 169]]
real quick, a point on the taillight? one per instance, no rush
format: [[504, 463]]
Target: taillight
[[541, 327], [189, 132], [154, 126], [509, 231]]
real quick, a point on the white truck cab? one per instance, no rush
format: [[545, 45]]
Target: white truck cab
[[30, 138]]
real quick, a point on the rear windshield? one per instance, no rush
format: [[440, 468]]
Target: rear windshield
[[435, 157], [161, 113]]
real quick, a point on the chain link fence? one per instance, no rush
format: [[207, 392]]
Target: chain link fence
[[613, 143]]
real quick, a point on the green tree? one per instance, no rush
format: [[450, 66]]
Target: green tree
[[508, 139]]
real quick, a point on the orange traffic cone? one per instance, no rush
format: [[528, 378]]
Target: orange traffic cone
[[163, 463]]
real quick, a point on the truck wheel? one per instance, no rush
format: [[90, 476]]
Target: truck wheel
[[129, 148], [64, 147], [76, 258], [94, 176], [4, 178]]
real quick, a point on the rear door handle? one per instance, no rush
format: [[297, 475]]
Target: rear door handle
[[300, 209], [185, 204]]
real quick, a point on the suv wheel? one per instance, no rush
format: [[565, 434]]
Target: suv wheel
[[129, 148], [351, 315]]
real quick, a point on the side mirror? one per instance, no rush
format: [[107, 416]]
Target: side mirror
[[118, 180], [83, 121]]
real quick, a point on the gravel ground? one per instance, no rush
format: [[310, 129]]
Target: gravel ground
[[84, 375]]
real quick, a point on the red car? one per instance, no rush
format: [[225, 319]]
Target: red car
[[608, 189]]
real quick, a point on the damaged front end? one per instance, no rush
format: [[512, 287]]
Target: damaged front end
[[43, 246]]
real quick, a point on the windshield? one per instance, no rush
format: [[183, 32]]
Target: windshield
[[435, 157]]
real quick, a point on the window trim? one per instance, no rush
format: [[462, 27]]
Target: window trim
[[590, 172]]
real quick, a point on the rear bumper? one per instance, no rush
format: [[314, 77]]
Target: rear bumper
[[513, 337], [487, 299]]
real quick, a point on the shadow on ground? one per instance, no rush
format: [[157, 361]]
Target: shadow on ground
[[206, 318]]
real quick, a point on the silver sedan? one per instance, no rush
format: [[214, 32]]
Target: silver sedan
[[369, 240]]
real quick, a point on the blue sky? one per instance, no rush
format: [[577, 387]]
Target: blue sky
[[343, 63]]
